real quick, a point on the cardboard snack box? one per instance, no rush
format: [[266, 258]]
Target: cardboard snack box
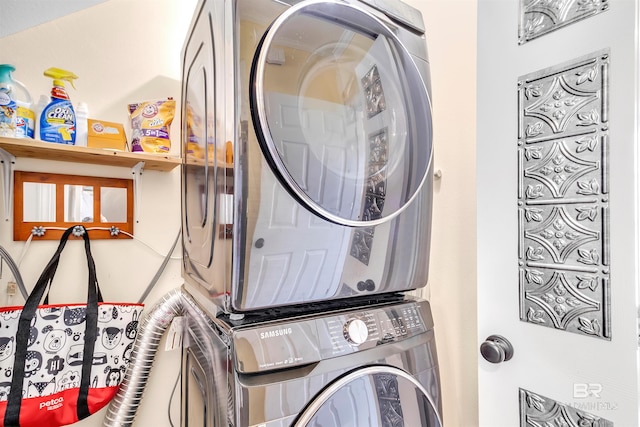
[[109, 135]]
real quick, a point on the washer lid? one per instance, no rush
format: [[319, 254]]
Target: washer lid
[[341, 112], [373, 396]]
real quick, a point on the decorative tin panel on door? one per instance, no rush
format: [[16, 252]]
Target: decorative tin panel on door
[[539, 17], [563, 198], [536, 410]]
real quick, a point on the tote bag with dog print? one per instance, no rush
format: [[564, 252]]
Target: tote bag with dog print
[[61, 363]]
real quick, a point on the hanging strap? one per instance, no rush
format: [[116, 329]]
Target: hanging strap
[[12, 415]]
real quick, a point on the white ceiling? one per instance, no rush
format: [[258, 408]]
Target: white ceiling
[[18, 15]]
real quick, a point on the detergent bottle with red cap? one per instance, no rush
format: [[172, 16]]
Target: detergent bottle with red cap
[[58, 119]]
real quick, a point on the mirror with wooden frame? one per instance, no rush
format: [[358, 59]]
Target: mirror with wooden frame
[[49, 200]]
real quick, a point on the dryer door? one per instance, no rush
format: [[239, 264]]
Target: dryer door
[[372, 396], [341, 112]]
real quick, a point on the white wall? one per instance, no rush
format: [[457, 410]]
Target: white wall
[[123, 51], [28, 14], [126, 51], [451, 40]]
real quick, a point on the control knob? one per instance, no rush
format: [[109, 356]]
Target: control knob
[[356, 331]]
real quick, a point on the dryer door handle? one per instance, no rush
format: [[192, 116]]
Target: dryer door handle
[[496, 349]]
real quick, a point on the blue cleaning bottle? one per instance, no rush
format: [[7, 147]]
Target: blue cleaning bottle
[[58, 119], [17, 118]]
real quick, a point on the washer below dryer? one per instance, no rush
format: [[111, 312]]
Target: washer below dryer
[[373, 366]]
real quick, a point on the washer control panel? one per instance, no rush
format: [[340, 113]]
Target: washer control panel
[[307, 339], [361, 330]]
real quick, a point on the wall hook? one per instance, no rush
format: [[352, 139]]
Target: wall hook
[[79, 230], [38, 231]]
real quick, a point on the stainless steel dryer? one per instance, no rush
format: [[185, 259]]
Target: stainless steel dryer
[[306, 138], [373, 366]]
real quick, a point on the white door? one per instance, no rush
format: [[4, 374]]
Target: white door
[[558, 213]]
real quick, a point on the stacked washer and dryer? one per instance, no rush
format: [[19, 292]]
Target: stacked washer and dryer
[[307, 193]]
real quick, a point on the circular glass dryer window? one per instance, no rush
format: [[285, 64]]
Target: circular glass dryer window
[[341, 112], [372, 396]]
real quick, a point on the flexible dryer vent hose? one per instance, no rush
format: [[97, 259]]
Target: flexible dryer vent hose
[[122, 409]]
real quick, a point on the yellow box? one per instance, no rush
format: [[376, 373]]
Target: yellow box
[[103, 134]]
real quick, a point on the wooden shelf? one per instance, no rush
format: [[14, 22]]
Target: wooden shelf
[[35, 149]]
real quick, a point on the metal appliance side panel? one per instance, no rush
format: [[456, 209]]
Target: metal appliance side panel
[[196, 396], [374, 260], [206, 179], [205, 374]]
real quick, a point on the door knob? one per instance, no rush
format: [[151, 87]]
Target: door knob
[[496, 349]]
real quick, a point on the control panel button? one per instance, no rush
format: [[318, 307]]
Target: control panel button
[[356, 331]]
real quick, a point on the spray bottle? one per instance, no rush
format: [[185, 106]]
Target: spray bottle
[[17, 118], [58, 119]]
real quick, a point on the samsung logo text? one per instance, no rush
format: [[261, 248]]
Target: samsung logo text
[[275, 333]]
